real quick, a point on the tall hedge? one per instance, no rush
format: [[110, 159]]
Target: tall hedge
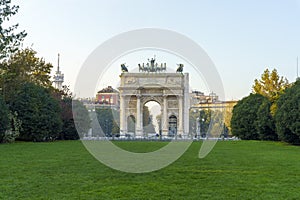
[[4, 118], [244, 116], [39, 113], [264, 123], [287, 116]]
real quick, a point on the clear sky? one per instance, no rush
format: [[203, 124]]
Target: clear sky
[[242, 37]]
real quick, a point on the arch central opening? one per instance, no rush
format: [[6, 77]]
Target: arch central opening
[[152, 119]]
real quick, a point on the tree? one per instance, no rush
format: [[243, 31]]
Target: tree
[[9, 40], [244, 115], [148, 121], [14, 128], [39, 113], [227, 118], [107, 119], [4, 119], [69, 131], [81, 117], [193, 115], [24, 66], [64, 97], [205, 119], [271, 85], [264, 122], [131, 121], [287, 116]]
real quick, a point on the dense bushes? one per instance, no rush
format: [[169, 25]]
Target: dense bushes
[[30, 108], [244, 116], [264, 123], [4, 119], [252, 117], [288, 115], [39, 113]]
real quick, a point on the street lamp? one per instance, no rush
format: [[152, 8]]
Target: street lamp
[[200, 126], [106, 127], [197, 127]]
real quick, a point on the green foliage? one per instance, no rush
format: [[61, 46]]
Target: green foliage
[[287, 116], [14, 129], [81, 118], [4, 119], [205, 118], [9, 39], [39, 113], [131, 124], [69, 131], [24, 66], [147, 121], [271, 85], [264, 122], [244, 116], [193, 115], [64, 97], [108, 121]]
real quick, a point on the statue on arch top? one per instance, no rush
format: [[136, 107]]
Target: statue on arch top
[[152, 66], [124, 68]]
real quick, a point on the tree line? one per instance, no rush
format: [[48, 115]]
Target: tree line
[[30, 108], [270, 112]]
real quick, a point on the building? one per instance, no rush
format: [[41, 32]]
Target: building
[[58, 77], [107, 97], [199, 100]]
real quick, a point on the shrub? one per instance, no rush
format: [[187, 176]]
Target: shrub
[[287, 116]]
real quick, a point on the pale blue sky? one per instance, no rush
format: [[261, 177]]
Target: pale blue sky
[[241, 37]]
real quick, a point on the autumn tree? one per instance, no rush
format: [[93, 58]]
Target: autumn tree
[[9, 39], [24, 66], [270, 85]]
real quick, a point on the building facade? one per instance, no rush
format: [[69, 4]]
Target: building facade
[[107, 97]]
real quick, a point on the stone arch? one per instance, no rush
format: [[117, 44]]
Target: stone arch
[[169, 90], [172, 124], [156, 124], [159, 100], [131, 124]]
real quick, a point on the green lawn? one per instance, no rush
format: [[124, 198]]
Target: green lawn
[[233, 170]]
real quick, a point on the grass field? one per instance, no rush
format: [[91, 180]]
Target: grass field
[[233, 170]]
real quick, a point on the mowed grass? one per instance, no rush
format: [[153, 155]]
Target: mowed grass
[[233, 170]]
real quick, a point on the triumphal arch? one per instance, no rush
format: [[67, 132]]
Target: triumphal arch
[[154, 83]]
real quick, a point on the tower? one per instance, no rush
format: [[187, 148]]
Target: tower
[[58, 77]]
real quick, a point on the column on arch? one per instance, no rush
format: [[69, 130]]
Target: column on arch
[[123, 121], [180, 115], [138, 127], [165, 116]]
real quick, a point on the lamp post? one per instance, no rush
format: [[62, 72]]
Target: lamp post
[[197, 128], [200, 126], [106, 127]]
